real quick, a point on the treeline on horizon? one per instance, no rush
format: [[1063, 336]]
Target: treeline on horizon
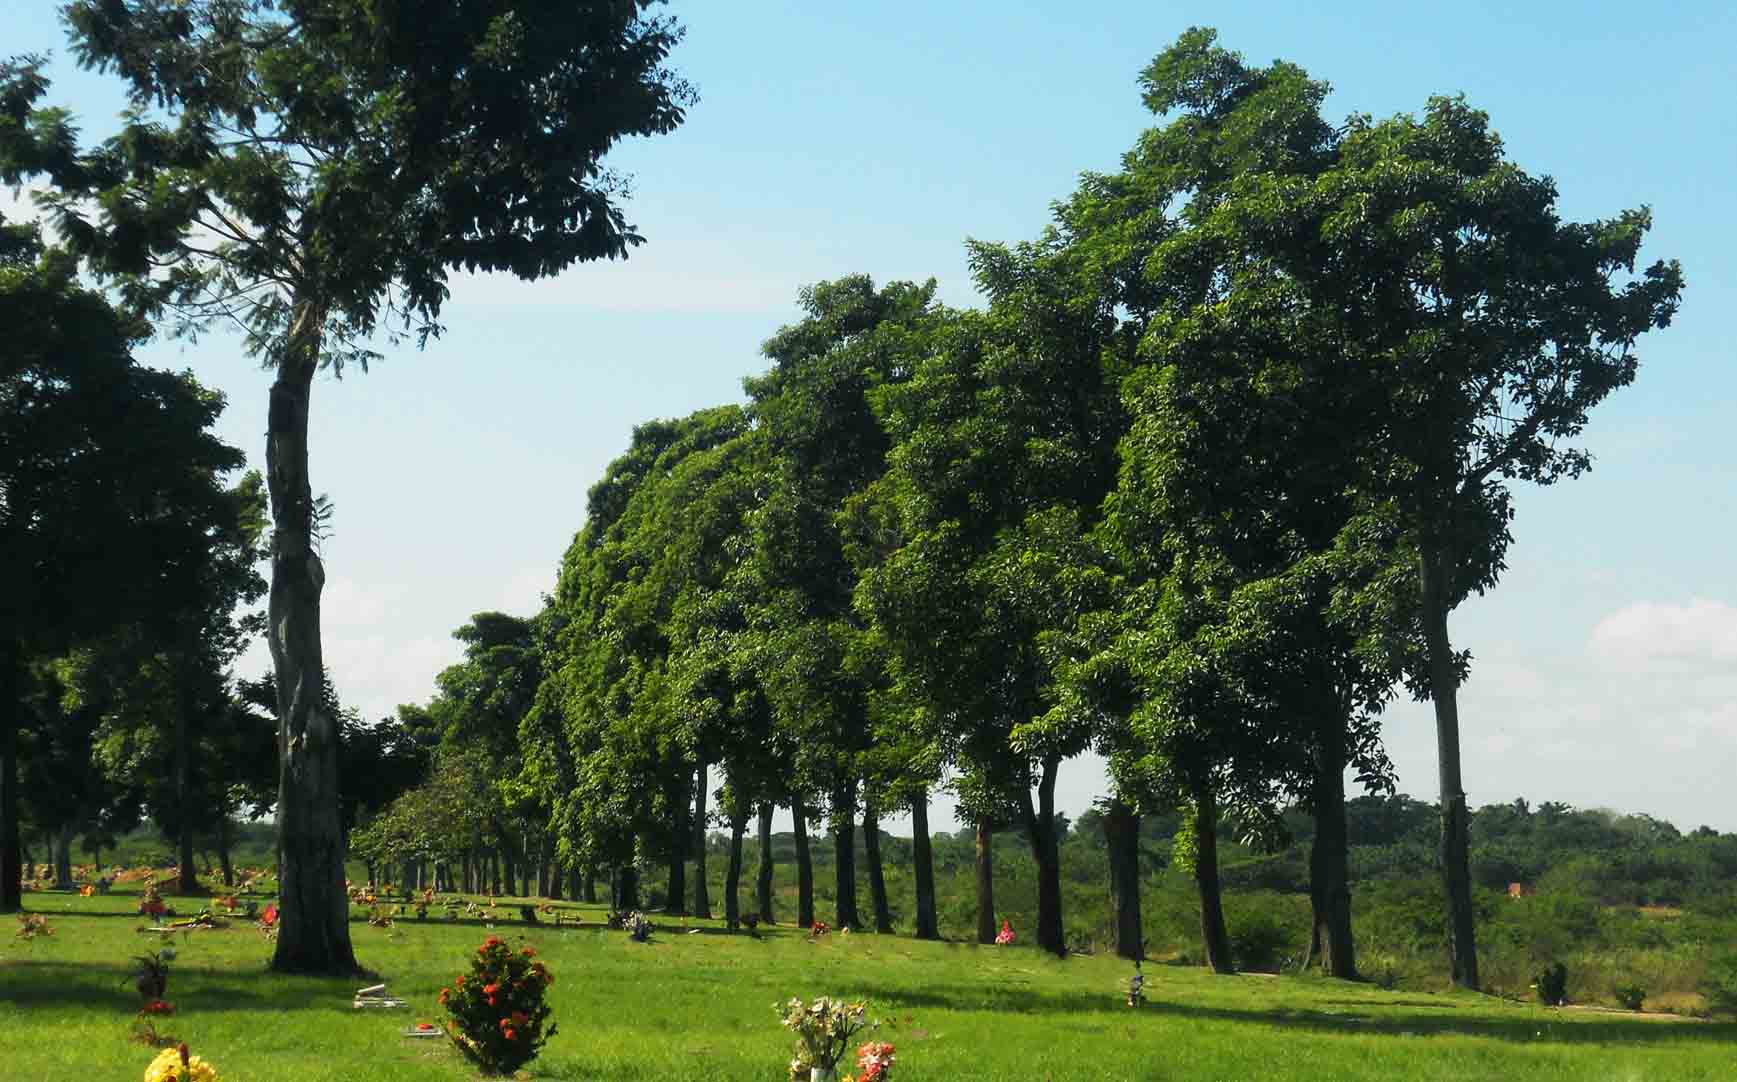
[[1196, 491]]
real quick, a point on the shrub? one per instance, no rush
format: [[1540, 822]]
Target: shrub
[[1552, 985], [1259, 940], [497, 1009], [1719, 985], [1631, 996]]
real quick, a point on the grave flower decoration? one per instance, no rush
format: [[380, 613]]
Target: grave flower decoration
[[497, 1016], [875, 1061], [823, 1031], [176, 1065], [31, 925], [1004, 938]]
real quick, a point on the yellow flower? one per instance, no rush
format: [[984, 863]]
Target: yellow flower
[[167, 1068]]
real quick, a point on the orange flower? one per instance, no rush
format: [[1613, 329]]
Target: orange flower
[[490, 989], [510, 1034]]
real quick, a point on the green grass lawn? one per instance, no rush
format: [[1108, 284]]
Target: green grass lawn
[[700, 1006]]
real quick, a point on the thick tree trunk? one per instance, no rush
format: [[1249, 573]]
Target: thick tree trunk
[[588, 887], [985, 881], [1040, 830], [844, 858], [224, 841], [733, 876], [63, 860], [871, 837], [1213, 937], [509, 868], [923, 868], [1329, 862], [1455, 851], [624, 889], [763, 877], [11, 846], [313, 912], [675, 896], [804, 865], [702, 900], [1122, 837]]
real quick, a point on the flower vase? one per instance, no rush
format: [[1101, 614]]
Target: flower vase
[[823, 1074]]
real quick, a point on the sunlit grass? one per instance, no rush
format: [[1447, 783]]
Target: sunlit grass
[[700, 1006]]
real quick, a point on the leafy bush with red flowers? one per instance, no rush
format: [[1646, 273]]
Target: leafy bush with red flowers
[[497, 1008]]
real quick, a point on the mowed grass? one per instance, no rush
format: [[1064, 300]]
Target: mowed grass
[[700, 1006]]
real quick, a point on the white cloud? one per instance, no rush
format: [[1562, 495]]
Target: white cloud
[[1648, 633]]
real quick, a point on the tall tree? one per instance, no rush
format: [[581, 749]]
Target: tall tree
[[1003, 443], [92, 446], [825, 446], [1488, 328], [328, 165]]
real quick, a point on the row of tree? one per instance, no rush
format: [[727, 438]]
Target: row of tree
[[1197, 490]]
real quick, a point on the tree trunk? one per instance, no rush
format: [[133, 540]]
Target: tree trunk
[[11, 708], [923, 868], [702, 901], [313, 911], [733, 877], [1213, 936], [1040, 830], [225, 839], [63, 860], [844, 861], [1455, 853], [985, 881], [509, 868], [804, 865], [871, 838], [1122, 837], [1329, 862], [588, 887], [675, 895], [763, 877], [624, 889], [187, 879]]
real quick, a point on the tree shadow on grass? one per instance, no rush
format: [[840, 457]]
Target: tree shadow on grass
[[1447, 1022], [31, 983]]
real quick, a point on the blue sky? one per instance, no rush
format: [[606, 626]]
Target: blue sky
[[831, 139]]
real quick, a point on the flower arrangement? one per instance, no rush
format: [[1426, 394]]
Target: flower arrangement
[[875, 1062], [823, 1032], [1136, 986], [818, 929], [267, 923], [1004, 938], [497, 1010], [175, 1065], [151, 977], [637, 925], [31, 925], [151, 902]]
